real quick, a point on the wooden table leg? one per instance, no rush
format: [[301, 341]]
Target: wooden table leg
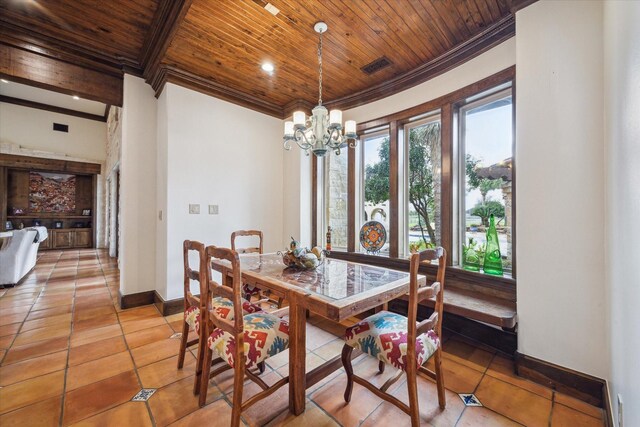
[[297, 356]]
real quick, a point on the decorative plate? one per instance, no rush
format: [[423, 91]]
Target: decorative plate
[[373, 236]]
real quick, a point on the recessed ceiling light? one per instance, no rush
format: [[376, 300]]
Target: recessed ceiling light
[[4, 80], [268, 67], [76, 97], [272, 9]]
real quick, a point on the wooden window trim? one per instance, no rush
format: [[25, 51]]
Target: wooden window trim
[[448, 105]]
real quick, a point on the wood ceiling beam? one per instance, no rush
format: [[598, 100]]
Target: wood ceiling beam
[[54, 165], [49, 73], [47, 107], [165, 24], [24, 38]]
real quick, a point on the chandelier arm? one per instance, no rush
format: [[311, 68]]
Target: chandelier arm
[[287, 144], [302, 141]]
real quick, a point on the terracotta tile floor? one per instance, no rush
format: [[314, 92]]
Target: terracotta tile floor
[[70, 356]]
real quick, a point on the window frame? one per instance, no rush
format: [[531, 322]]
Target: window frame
[[483, 98], [422, 120], [360, 212], [449, 106]]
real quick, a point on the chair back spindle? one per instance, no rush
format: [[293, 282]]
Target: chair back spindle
[[247, 233], [189, 247]]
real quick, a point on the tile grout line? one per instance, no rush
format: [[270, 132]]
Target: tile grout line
[[26, 316], [66, 369], [126, 343]]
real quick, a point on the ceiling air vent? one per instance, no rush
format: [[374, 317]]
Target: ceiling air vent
[[376, 65], [60, 127]]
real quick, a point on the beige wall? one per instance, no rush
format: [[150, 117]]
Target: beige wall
[[29, 132], [138, 188], [622, 149], [32, 129], [560, 185], [214, 152]]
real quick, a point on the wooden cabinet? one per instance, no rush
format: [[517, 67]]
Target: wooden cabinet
[[82, 238], [68, 238], [61, 239], [31, 194]]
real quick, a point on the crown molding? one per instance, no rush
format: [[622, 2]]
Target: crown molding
[[164, 26], [489, 38], [169, 74]]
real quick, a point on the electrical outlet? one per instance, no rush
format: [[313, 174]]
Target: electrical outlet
[[194, 209], [213, 209], [620, 424]]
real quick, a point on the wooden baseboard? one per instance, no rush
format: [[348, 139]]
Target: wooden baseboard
[[136, 300], [503, 341], [585, 387], [167, 308]]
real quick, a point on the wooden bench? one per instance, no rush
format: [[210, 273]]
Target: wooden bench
[[480, 307]]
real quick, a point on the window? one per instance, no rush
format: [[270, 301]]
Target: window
[[375, 182], [485, 159], [454, 163], [422, 184]]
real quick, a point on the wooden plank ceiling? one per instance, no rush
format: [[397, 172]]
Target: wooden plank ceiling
[[218, 46]]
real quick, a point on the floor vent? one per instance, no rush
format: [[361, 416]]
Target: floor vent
[[376, 65]]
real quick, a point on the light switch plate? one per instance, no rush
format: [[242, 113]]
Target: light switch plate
[[213, 209], [194, 209]]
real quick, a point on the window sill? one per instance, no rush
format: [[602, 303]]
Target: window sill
[[505, 286]]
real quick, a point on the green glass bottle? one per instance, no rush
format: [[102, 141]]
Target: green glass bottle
[[470, 257], [492, 257]]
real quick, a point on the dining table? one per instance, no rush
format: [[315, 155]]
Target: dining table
[[336, 290]]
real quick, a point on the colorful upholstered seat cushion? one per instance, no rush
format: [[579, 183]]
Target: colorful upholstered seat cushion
[[265, 335], [384, 335], [223, 307], [192, 317]]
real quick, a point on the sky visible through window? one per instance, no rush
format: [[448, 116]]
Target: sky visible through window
[[488, 138]]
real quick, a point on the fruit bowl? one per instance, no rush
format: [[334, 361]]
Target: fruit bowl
[[302, 257]]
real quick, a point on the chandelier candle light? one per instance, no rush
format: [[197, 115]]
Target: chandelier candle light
[[322, 131]]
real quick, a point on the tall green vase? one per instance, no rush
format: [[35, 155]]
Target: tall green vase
[[492, 257]]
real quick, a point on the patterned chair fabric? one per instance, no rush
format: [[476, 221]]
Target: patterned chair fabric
[[223, 307], [384, 335], [265, 335], [249, 291]]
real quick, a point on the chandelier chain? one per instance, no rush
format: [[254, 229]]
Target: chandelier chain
[[320, 66]]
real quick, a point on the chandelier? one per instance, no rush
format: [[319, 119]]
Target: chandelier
[[322, 131]]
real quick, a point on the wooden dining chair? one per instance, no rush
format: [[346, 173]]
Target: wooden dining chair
[[402, 342], [250, 290], [191, 301], [193, 306], [242, 343]]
